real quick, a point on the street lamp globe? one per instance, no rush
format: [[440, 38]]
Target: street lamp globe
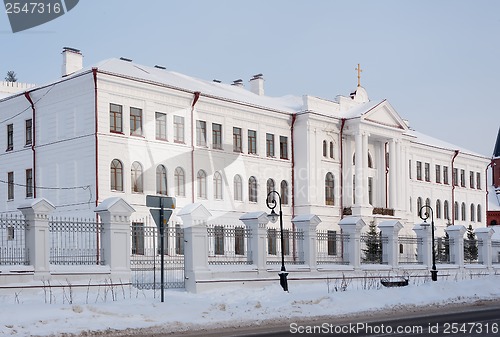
[[273, 217]]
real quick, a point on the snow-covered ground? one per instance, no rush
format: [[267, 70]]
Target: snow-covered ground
[[30, 313]]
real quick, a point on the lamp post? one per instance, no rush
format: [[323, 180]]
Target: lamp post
[[273, 217], [424, 216]]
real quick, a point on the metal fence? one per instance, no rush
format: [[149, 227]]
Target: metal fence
[[292, 248], [495, 245], [13, 249], [145, 259], [229, 245], [330, 247], [442, 247], [75, 242], [408, 246], [371, 249]]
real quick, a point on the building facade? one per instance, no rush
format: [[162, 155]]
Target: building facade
[[123, 129]]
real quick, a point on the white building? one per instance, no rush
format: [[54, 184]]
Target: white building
[[123, 129]]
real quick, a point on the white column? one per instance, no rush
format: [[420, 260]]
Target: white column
[[348, 172], [37, 242], [485, 253], [365, 169], [359, 169], [424, 250], [352, 226], [390, 230], [399, 175], [307, 223], [257, 223], [392, 174], [456, 233]]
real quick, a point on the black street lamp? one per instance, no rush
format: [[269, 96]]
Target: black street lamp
[[424, 216], [273, 217]]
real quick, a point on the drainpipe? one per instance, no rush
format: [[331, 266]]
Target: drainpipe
[[94, 74], [487, 192], [33, 139], [342, 168], [193, 125], [453, 187]]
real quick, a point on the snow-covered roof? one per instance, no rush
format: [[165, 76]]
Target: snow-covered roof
[[360, 110], [419, 137], [287, 103]]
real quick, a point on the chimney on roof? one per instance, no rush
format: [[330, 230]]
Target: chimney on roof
[[257, 84], [238, 83], [72, 61]]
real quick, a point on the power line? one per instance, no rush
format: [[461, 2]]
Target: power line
[[38, 100]]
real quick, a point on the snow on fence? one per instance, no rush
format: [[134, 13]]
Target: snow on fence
[[229, 245], [13, 240], [330, 247]]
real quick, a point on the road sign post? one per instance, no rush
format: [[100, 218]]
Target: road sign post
[[161, 217]]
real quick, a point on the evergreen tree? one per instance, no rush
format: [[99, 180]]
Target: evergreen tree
[[443, 249], [373, 250], [470, 246], [11, 76]]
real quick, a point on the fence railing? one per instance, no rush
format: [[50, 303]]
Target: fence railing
[[229, 245], [75, 242], [408, 246], [330, 247], [13, 241], [495, 245], [292, 248]]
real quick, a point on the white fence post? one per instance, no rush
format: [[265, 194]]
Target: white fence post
[[115, 236], [257, 223], [194, 219], [37, 241], [307, 223], [390, 230], [485, 253], [456, 233], [424, 248], [352, 226]]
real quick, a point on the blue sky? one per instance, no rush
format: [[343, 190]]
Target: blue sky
[[437, 62]]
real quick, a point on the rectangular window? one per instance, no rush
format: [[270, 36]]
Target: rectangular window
[[455, 177], [219, 240], [419, 170], [161, 125], [239, 241], [269, 145], [136, 121], [10, 137], [216, 136], [252, 142], [178, 129], [29, 131], [438, 173], [445, 175], [427, 172], [10, 186], [283, 147], [236, 139], [471, 179], [115, 118], [478, 182], [179, 240], [332, 242], [462, 178], [201, 133], [271, 241], [137, 238], [29, 183], [370, 190], [409, 168]]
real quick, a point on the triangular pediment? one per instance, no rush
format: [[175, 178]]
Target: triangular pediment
[[384, 114]]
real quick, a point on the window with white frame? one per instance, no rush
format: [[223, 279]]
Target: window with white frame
[[161, 125], [238, 188], [252, 189], [178, 129], [218, 195], [201, 179], [136, 177], [161, 180], [180, 182]]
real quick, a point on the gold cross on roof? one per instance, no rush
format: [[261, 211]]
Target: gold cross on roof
[[359, 74]]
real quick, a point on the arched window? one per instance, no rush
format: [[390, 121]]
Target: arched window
[[201, 181], [116, 175], [324, 148], [446, 210], [252, 189], [331, 150], [463, 211], [136, 177], [284, 192], [419, 205], [428, 202], [270, 188], [161, 180], [238, 188], [438, 209], [180, 182], [329, 189], [218, 186], [455, 216], [479, 219], [472, 213]]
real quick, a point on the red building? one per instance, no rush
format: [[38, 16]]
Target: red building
[[493, 215]]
